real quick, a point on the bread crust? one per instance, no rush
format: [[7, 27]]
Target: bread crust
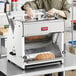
[[34, 37], [45, 56]]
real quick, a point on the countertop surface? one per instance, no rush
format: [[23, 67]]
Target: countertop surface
[[12, 70]]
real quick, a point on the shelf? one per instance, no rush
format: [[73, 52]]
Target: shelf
[[2, 13], [2, 36]]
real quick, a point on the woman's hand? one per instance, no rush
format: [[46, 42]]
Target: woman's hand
[[29, 12], [52, 11], [59, 12]]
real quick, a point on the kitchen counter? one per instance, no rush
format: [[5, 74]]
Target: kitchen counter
[[13, 70]]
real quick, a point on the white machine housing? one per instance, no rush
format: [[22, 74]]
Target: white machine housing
[[24, 29]]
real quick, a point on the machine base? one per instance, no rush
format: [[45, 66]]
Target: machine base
[[19, 61]]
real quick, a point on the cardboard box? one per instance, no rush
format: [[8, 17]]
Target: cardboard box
[[67, 73], [72, 49], [55, 74], [70, 73]]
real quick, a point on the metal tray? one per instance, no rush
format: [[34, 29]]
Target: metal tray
[[50, 47]]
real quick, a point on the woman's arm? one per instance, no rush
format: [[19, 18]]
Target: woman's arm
[[30, 6], [59, 12], [65, 8], [63, 12], [37, 4]]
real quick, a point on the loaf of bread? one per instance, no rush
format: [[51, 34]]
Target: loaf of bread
[[3, 30], [34, 37], [1, 33], [45, 56]]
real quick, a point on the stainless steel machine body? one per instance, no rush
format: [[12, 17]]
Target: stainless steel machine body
[[22, 52]]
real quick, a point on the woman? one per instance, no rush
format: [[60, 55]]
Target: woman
[[61, 7]]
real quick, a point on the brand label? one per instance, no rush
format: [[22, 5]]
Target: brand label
[[44, 28]]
